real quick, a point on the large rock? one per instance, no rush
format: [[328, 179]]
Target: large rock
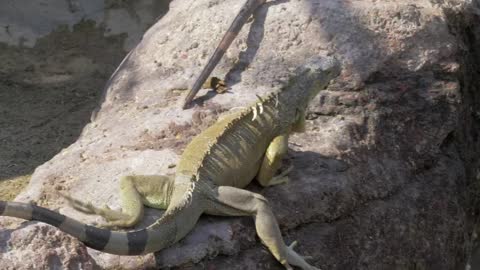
[[380, 175]]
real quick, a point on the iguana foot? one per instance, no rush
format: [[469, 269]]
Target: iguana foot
[[294, 258], [76, 204], [88, 208], [231, 201], [282, 178]]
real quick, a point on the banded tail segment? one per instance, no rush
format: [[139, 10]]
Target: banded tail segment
[[237, 24], [159, 235]]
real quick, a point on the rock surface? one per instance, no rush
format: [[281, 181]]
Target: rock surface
[[25, 21], [381, 174]]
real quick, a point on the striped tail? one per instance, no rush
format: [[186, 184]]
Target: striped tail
[[157, 236]]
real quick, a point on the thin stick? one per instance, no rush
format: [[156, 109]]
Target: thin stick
[[237, 24]]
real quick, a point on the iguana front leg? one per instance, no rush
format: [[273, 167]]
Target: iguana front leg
[[300, 122], [135, 192], [272, 161], [230, 201]]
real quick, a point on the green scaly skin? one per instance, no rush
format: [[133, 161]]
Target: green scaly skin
[[212, 171]]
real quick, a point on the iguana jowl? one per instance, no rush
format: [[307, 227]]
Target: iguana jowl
[[212, 171]]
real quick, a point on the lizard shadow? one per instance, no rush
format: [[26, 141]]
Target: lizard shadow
[[254, 40], [303, 161], [305, 164], [200, 100]]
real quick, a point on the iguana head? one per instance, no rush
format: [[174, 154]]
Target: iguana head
[[320, 71], [310, 78]]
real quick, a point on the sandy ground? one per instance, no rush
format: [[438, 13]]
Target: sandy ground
[[36, 123], [47, 94]]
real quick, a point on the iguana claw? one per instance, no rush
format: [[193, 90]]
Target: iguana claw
[[295, 259], [293, 244]]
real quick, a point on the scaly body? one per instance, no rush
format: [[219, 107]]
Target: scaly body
[[212, 171]]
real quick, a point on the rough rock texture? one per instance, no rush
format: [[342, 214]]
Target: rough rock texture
[[24, 21], [381, 175], [55, 250]]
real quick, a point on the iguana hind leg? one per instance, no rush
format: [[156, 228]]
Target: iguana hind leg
[[272, 161], [89, 208], [135, 192], [230, 201]]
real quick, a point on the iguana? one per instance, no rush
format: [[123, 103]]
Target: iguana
[[210, 175], [247, 10]]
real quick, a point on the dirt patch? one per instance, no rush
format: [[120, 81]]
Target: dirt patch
[[177, 136]]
